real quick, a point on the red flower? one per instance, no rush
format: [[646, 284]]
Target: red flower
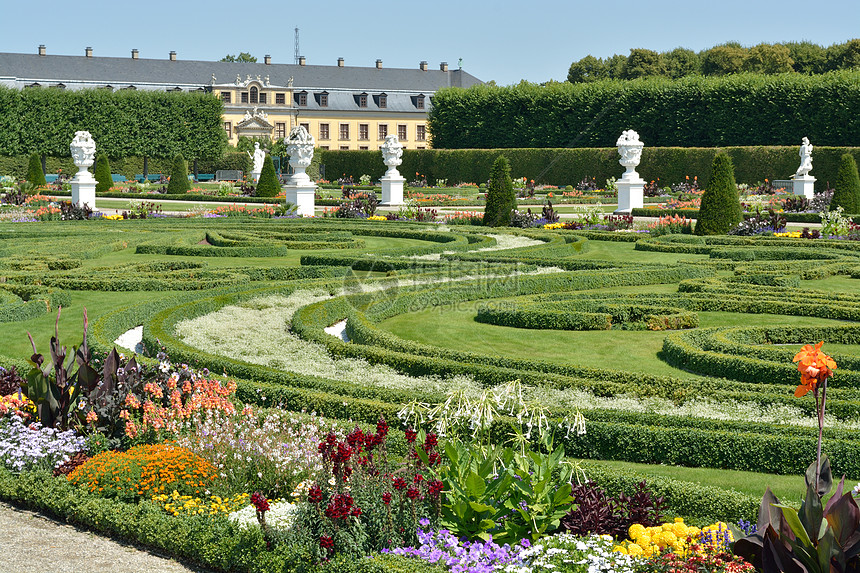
[[435, 487], [382, 427], [412, 493], [386, 498], [326, 542], [411, 435], [399, 484], [418, 479], [431, 441], [259, 501], [315, 494]]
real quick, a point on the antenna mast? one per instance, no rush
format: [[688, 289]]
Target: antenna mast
[[297, 46]]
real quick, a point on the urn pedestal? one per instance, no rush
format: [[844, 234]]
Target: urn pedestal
[[392, 189], [631, 193], [804, 185], [302, 195], [84, 190]]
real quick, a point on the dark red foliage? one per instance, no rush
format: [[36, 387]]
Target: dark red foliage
[[68, 467], [10, 381], [597, 513]]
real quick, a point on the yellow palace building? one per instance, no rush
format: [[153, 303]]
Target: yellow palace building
[[343, 107]]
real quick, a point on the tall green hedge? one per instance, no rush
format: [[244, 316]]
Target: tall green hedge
[[178, 176], [122, 123], [847, 189], [501, 199], [268, 185], [559, 166], [739, 109], [721, 208]]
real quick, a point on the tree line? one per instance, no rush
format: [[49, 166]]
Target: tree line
[[725, 59]]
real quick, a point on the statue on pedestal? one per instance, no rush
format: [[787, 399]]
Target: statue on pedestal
[[300, 146], [258, 158], [83, 150], [805, 158]]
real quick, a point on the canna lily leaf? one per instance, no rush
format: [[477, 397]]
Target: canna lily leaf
[[812, 514], [775, 558], [793, 521], [843, 518], [825, 478], [768, 514]]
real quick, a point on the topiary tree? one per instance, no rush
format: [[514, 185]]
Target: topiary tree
[[268, 185], [179, 176], [103, 176], [501, 199], [721, 207], [847, 189], [35, 175]]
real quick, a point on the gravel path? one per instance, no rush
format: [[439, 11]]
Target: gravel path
[[32, 542]]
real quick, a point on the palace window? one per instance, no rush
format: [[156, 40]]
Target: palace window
[[280, 99], [363, 148], [344, 131], [255, 93], [419, 101], [383, 130], [228, 127], [280, 130], [324, 147], [401, 132], [226, 97], [362, 100], [302, 98], [420, 133], [244, 97], [383, 100], [363, 131], [263, 97], [344, 147], [324, 131], [307, 126], [323, 99]]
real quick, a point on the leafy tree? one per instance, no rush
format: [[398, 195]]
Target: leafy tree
[[682, 62], [723, 60], [721, 208], [268, 185], [179, 176], [35, 175], [769, 59], [588, 69], [242, 57], [103, 175], [501, 199], [615, 65], [808, 58], [843, 56], [847, 189], [642, 63]]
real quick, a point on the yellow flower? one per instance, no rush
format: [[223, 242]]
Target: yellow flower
[[636, 530], [634, 550]]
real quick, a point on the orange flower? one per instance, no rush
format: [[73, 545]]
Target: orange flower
[[814, 367]]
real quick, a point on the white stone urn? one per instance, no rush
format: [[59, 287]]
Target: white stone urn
[[300, 146], [630, 149], [392, 155], [83, 150]]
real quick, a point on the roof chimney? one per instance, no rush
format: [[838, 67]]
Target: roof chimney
[[41, 49], [340, 63], [172, 56], [89, 52], [378, 64], [267, 59], [301, 60], [134, 54], [423, 66], [443, 66]]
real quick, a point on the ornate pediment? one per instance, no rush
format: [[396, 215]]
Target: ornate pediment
[[255, 120]]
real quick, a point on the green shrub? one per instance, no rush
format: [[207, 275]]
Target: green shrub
[[103, 174], [501, 199], [35, 175], [179, 176], [847, 189], [268, 185], [721, 208]]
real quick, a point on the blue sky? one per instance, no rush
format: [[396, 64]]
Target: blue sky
[[506, 41]]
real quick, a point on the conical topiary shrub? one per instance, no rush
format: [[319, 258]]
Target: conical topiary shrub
[[268, 185], [846, 193], [721, 207], [501, 199], [179, 176], [103, 176], [35, 175]]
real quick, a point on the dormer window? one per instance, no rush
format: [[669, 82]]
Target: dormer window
[[33, 85], [382, 100], [60, 86], [322, 99], [302, 99], [176, 89], [419, 102], [133, 88], [255, 95], [361, 99]]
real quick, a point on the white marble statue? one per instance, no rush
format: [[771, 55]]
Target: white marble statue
[[300, 146], [630, 148], [83, 150], [392, 154], [805, 158], [258, 158]]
